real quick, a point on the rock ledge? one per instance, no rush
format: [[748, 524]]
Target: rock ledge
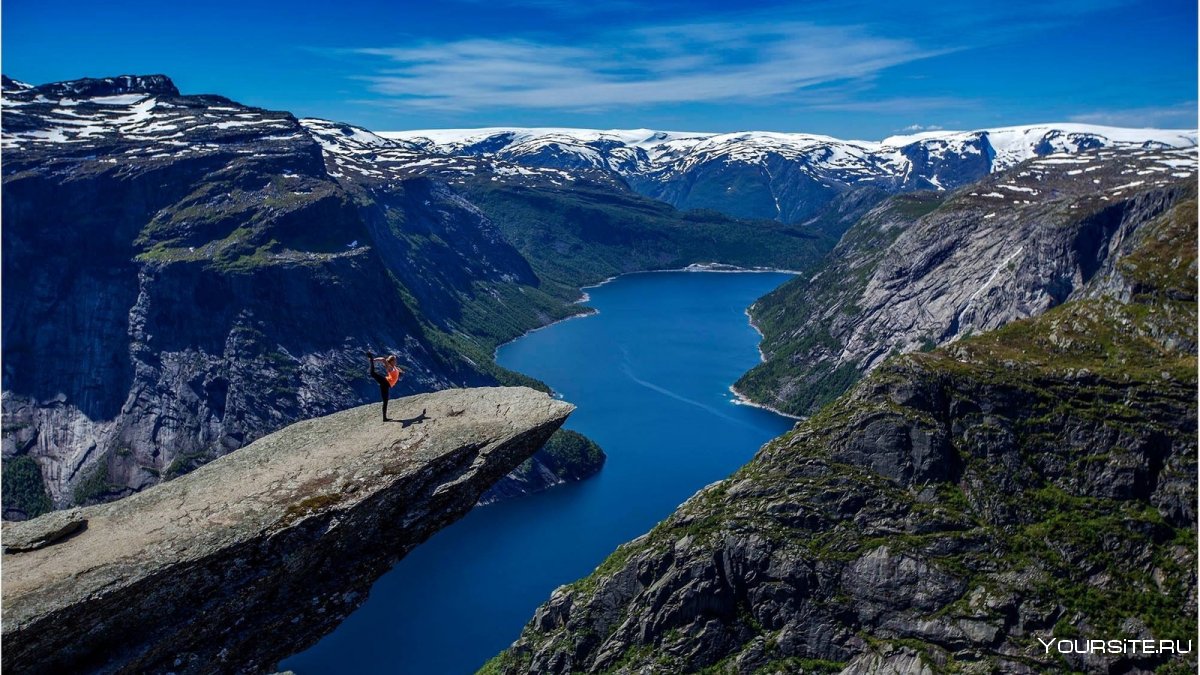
[[259, 553]]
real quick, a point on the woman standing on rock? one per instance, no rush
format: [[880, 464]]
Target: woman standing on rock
[[391, 376]]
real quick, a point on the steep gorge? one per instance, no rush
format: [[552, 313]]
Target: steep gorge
[[183, 274], [928, 268], [1036, 481]]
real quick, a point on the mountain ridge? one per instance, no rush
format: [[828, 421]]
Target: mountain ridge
[[788, 177], [216, 270], [924, 269], [952, 513], [647, 138]]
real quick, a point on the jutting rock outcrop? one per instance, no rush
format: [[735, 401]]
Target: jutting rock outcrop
[[214, 271], [257, 554]]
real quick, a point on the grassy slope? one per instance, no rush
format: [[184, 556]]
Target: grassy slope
[[582, 234]]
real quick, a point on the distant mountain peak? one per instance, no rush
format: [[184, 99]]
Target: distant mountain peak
[[155, 85], [784, 176], [10, 84]]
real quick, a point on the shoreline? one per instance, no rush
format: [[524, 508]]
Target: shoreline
[[742, 399], [762, 356], [583, 314], [738, 397], [718, 268], [584, 296]]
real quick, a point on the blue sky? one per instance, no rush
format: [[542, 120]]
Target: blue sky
[[848, 69]]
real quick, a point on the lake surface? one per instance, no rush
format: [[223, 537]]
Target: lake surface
[[650, 375]]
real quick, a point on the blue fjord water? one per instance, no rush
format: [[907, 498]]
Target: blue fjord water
[[650, 376]]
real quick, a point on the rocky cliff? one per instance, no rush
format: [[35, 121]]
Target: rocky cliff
[[257, 554], [950, 513], [928, 268], [183, 274]]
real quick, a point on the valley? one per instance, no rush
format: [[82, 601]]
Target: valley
[[990, 339], [222, 269]]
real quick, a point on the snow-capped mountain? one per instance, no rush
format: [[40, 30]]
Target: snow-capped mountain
[[782, 176], [356, 152], [145, 118], [788, 177]]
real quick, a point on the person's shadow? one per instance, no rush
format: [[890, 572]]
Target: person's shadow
[[419, 419]]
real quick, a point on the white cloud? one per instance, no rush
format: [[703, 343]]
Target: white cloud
[[913, 128], [1177, 116], [695, 62]]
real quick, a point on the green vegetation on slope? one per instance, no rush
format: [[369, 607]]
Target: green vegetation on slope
[[794, 326], [1038, 480], [23, 487], [94, 486], [572, 455], [568, 454], [583, 234]]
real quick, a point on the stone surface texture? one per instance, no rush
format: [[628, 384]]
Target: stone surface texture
[[257, 554]]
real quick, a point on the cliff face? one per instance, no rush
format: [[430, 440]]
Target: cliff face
[[1034, 482], [183, 274], [256, 555], [167, 301], [926, 269]]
